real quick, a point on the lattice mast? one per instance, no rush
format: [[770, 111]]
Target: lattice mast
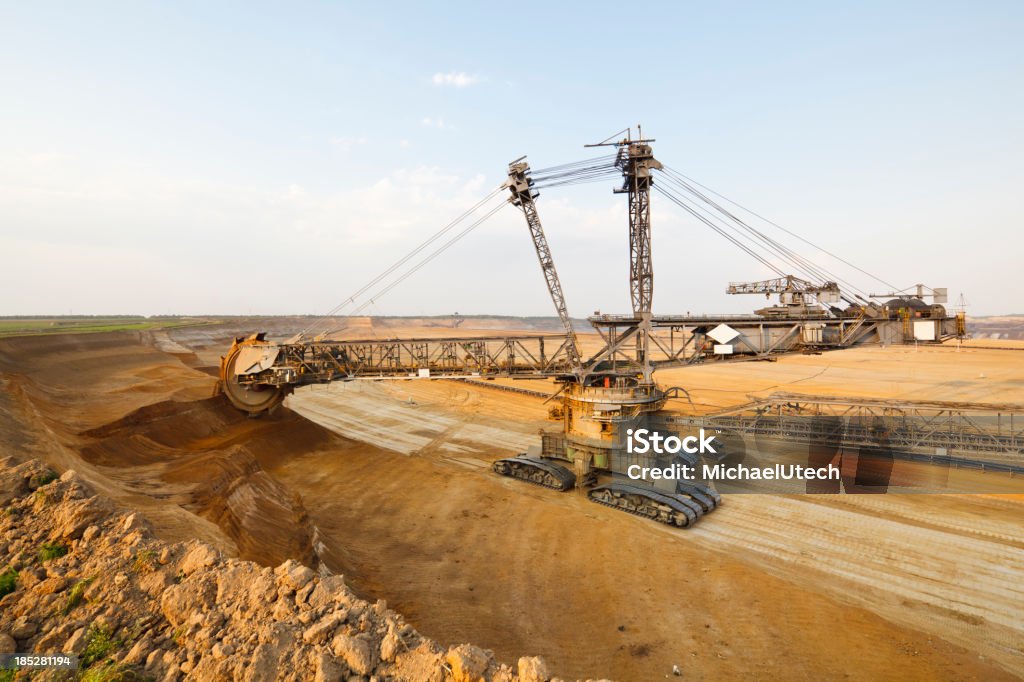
[[520, 185]]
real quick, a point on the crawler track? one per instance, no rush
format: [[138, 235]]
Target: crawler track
[[707, 498], [537, 471], [680, 510]]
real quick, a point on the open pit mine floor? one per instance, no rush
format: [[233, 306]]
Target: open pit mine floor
[[390, 485]]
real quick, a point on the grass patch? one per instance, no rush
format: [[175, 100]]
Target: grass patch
[[36, 326], [145, 561], [51, 550], [76, 594], [8, 581], [108, 672], [42, 479], [178, 634], [100, 643]]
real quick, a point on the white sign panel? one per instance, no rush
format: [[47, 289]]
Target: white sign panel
[[924, 330], [723, 349], [723, 333]]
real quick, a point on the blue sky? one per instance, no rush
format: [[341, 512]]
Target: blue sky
[[240, 157]]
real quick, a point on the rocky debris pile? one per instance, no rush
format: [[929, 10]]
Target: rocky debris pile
[[79, 576]]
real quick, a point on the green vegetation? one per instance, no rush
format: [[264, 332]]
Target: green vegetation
[[100, 643], [8, 581], [51, 550], [7, 674], [145, 561], [81, 324], [108, 672], [76, 594], [42, 479]]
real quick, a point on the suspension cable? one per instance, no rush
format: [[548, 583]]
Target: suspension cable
[[437, 252], [681, 203], [790, 257], [789, 232], [399, 263]]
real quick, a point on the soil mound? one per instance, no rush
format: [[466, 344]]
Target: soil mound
[[84, 579]]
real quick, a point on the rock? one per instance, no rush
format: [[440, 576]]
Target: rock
[[298, 577], [201, 555], [321, 631], [327, 668], [504, 674], [7, 644], [467, 662], [221, 650], [172, 674], [138, 652], [71, 519], [356, 652], [264, 664], [303, 594], [533, 669], [106, 621], [131, 522], [120, 579], [179, 602], [23, 628], [76, 642], [390, 646], [165, 556], [154, 662], [90, 533], [51, 585]]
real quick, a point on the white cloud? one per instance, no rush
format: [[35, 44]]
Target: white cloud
[[346, 143], [456, 79], [438, 123]]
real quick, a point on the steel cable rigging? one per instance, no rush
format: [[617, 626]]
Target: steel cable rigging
[[690, 199], [689, 184], [351, 299]]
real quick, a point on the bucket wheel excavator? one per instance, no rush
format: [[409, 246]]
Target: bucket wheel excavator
[[607, 395], [624, 392]]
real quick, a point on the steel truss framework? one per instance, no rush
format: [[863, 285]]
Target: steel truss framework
[[930, 426], [508, 356], [674, 340]]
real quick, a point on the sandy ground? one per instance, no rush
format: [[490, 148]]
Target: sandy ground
[[392, 486]]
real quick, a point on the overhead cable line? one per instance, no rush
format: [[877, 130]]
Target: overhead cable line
[[789, 232], [788, 256], [406, 258], [444, 247]]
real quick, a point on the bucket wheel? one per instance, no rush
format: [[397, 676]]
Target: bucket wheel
[[252, 398]]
